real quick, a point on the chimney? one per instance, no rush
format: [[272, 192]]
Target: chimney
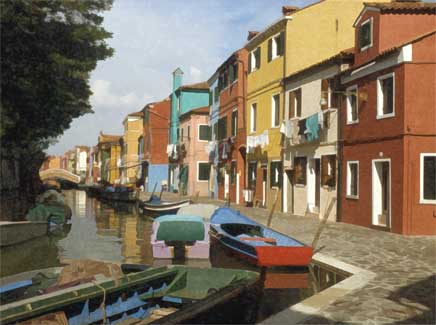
[[289, 10], [251, 34]]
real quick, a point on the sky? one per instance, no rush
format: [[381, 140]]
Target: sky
[[151, 39]]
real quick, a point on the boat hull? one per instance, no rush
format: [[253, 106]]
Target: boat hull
[[13, 233], [156, 209], [270, 249]]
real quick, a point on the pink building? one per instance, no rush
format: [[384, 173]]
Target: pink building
[[194, 136]]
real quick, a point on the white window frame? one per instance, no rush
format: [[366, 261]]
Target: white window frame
[[371, 29], [273, 111], [421, 178], [198, 171], [349, 112], [236, 124], [253, 60], [274, 47], [252, 117], [380, 114], [198, 132], [348, 190]]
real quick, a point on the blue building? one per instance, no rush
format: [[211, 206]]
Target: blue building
[[184, 98]]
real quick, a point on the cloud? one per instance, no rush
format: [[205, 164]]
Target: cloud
[[151, 39]]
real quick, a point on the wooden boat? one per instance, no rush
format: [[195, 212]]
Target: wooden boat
[[256, 243], [180, 233], [12, 233], [156, 206], [181, 294], [118, 195]]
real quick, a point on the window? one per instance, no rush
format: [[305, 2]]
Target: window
[[428, 178], [216, 94], [328, 170], [179, 103], [276, 174], [365, 35], [275, 111], [203, 132], [253, 117], [385, 96], [353, 179], [234, 122], [276, 46], [254, 60], [222, 128], [252, 166], [352, 105], [189, 132], [203, 171], [295, 103], [178, 134], [181, 134], [233, 173], [233, 73], [300, 164]]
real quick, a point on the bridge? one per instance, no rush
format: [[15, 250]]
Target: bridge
[[58, 173]]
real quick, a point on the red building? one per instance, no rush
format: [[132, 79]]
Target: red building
[[231, 126], [388, 162], [153, 145]]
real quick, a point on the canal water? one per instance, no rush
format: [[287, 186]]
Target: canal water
[[120, 233]]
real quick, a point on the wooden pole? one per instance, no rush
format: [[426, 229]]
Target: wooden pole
[[268, 224], [154, 189], [322, 223]]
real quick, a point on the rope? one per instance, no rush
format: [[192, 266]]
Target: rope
[[102, 306]]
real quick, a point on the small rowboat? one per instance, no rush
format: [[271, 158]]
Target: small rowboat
[[12, 233], [180, 233], [256, 243], [156, 206], [167, 295]]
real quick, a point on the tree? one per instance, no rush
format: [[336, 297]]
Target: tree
[[48, 50]]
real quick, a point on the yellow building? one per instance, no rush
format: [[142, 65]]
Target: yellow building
[[264, 109], [130, 160], [108, 155]]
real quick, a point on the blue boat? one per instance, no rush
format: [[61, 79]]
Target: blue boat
[[256, 243]]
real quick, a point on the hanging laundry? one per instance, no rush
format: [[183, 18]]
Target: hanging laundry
[[321, 119], [295, 131], [283, 128], [224, 154], [312, 127], [301, 127], [288, 128]]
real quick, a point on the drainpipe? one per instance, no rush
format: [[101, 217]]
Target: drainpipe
[[340, 164], [244, 95]]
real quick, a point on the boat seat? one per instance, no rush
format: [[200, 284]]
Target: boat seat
[[263, 239]]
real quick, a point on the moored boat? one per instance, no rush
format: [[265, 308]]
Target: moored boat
[[256, 243], [123, 194], [156, 206], [180, 233], [16, 232], [187, 295]]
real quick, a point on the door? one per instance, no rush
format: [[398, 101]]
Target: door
[[317, 184], [381, 179]]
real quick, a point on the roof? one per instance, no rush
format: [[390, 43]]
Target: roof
[[197, 86], [200, 111], [393, 49], [347, 54], [403, 6], [139, 113], [108, 138]]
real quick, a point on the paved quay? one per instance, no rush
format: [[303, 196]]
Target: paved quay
[[403, 287]]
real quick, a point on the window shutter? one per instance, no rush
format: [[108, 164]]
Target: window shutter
[[235, 71], [281, 44], [270, 50], [324, 92], [257, 53], [324, 170], [231, 77], [298, 94], [291, 104], [249, 61]]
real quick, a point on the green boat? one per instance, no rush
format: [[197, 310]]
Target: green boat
[[170, 295]]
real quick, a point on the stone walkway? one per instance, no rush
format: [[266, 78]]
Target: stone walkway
[[403, 289]]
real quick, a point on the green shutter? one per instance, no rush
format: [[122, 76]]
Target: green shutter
[[270, 50]]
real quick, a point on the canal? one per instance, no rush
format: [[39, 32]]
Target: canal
[[120, 233]]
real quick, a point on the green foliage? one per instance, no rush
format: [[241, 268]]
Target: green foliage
[[49, 48]]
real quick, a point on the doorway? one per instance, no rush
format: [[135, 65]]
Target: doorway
[[381, 192]]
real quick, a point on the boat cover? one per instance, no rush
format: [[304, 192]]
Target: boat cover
[[180, 228]]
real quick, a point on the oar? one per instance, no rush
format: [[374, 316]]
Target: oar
[[161, 191], [271, 213], [154, 189]]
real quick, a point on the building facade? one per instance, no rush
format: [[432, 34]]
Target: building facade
[[213, 120], [184, 98], [130, 165], [230, 128], [109, 156], [155, 141], [388, 120], [194, 162]]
